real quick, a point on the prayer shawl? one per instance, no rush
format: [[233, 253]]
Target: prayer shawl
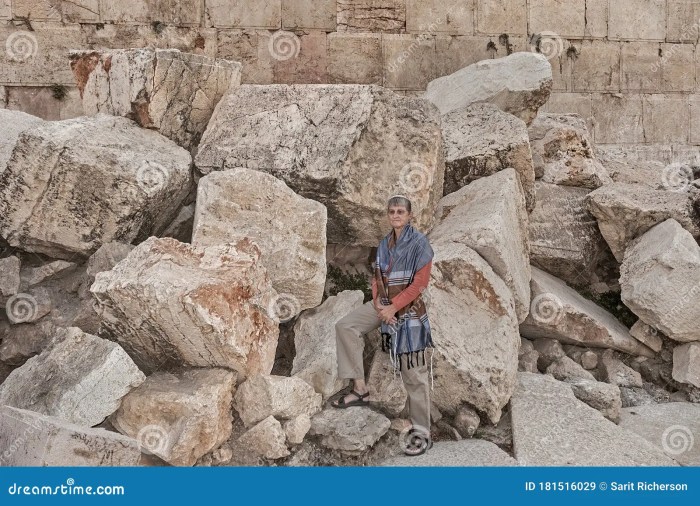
[[395, 268]]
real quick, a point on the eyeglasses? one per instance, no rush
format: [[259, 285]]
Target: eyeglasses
[[392, 212]]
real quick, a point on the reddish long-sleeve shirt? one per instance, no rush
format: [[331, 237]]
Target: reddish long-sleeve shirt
[[408, 294]]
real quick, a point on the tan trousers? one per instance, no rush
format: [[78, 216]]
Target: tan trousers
[[349, 332]]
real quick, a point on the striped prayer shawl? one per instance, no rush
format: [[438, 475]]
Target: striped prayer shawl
[[395, 267]]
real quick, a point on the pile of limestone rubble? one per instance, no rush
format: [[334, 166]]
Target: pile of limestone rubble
[[161, 256]]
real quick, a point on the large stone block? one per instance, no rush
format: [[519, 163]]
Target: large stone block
[[440, 16], [489, 217], [686, 363], [660, 280], [79, 378], [354, 58], [31, 439], [351, 430], [14, 123], [481, 140], [519, 84], [73, 185], [248, 13], [387, 16], [495, 17], [409, 61], [161, 89], [638, 19], [558, 312], [349, 147], [597, 67], [171, 304], [179, 417]]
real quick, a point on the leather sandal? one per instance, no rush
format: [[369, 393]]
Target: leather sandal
[[357, 402]]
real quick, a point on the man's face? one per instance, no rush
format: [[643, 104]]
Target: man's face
[[398, 216]]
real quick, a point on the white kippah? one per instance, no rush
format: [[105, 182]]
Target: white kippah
[[399, 195]]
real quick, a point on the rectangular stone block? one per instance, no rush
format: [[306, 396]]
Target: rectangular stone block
[[494, 17], [666, 118], [683, 23], [299, 59], [180, 13], [355, 58], [251, 48], [579, 103], [40, 56], [3, 97], [187, 39], [566, 18], [440, 16], [637, 19], [33, 439], [302, 14], [41, 101], [42, 10], [388, 16], [596, 18], [5, 9], [654, 67], [243, 13], [677, 68], [596, 67], [618, 118], [409, 61], [81, 11], [694, 119]]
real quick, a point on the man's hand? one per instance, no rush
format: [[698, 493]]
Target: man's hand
[[381, 308]]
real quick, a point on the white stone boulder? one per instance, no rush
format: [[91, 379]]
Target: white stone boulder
[[347, 146], [660, 280], [283, 397], [75, 184], [481, 140], [13, 124], [686, 363], [519, 83], [626, 211], [179, 417], [558, 312], [79, 378], [161, 89], [489, 217], [316, 359], [265, 439], [289, 229], [350, 430], [170, 304], [32, 439]]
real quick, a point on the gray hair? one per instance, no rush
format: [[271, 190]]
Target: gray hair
[[400, 200]]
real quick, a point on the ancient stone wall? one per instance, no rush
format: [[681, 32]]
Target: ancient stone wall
[[630, 67]]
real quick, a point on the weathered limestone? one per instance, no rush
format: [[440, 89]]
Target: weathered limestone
[[559, 312], [265, 439], [660, 280], [316, 361], [562, 151], [13, 124], [565, 369], [548, 350], [617, 373], [34, 275], [289, 229], [466, 421], [481, 140], [602, 396], [9, 277], [350, 430], [589, 360], [107, 256], [179, 417], [371, 15], [296, 428], [686, 363], [626, 211], [474, 368], [647, 335], [283, 397], [166, 90], [564, 236], [519, 84], [468, 452], [73, 185], [489, 217], [672, 426], [553, 428], [387, 390], [349, 147], [31, 439], [172, 304], [79, 378]]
